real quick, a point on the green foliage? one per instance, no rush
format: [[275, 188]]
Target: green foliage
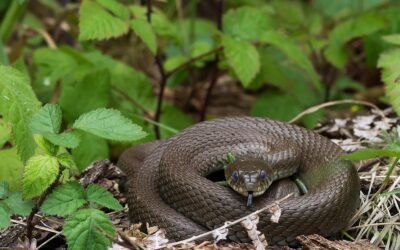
[[98, 195], [109, 124], [243, 57], [95, 22], [11, 168], [17, 105], [144, 30], [84, 230], [390, 64], [40, 172], [371, 153], [90, 149], [64, 200], [4, 216]]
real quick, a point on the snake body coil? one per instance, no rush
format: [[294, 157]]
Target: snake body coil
[[168, 188]]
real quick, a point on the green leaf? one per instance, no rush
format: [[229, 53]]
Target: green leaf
[[276, 105], [66, 160], [362, 25], [48, 147], [95, 22], [175, 118], [90, 149], [4, 215], [92, 92], [17, 105], [116, 8], [65, 139], [389, 61], [5, 133], [393, 39], [11, 168], [65, 199], [294, 52], [174, 62], [144, 30], [243, 57], [394, 191], [18, 205], [47, 120], [109, 124], [97, 194], [4, 189], [368, 153], [40, 172], [82, 230], [247, 22]]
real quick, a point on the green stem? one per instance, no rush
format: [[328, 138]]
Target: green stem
[[13, 13]]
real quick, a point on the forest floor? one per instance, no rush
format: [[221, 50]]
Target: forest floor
[[375, 225]]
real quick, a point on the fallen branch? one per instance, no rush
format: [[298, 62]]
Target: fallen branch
[[226, 225]]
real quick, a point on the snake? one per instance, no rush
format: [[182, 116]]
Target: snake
[[168, 184]]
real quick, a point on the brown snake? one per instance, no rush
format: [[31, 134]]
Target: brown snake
[[167, 185]]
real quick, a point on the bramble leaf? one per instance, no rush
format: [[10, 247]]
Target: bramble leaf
[[243, 57], [40, 172], [95, 22], [47, 120], [4, 215], [17, 105], [65, 199], [18, 205], [144, 30], [97, 194], [82, 230], [109, 124]]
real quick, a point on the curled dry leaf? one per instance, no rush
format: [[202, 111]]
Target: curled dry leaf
[[156, 239], [276, 212], [257, 238], [220, 234]]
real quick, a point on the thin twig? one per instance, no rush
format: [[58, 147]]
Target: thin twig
[[215, 74], [36, 226], [48, 240], [134, 102], [333, 103], [227, 224], [130, 242], [193, 60]]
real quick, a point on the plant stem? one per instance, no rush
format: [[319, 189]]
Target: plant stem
[[215, 74], [29, 221], [13, 13]]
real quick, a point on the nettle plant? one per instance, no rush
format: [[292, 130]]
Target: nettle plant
[[50, 171]]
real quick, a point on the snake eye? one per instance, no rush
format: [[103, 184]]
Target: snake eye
[[263, 175], [235, 175]]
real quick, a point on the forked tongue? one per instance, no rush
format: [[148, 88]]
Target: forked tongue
[[249, 199]]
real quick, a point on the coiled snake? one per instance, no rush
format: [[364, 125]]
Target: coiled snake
[[167, 185]]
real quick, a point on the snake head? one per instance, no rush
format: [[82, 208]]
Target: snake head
[[249, 177]]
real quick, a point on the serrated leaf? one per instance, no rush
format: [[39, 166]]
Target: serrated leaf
[[247, 22], [82, 230], [18, 205], [144, 30], [4, 215], [95, 22], [393, 39], [65, 139], [66, 160], [40, 172], [116, 8], [4, 189], [48, 147], [109, 124], [389, 61], [97, 194], [292, 51], [369, 153], [47, 120], [17, 105], [243, 57], [362, 25], [11, 168], [65, 199]]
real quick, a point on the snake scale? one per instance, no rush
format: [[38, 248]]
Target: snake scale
[[167, 185]]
